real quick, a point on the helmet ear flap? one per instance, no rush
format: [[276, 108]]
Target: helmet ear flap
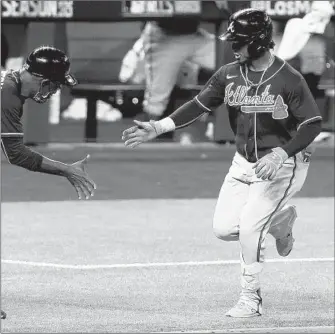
[[255, 49]]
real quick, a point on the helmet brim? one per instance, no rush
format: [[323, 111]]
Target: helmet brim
[[227, 36]]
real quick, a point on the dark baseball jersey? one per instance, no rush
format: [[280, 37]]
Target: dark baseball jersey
[[11, 126], [11, 105], [265, 115]]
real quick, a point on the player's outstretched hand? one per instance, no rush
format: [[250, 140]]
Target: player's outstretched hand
[[80, 180], [142, 132]]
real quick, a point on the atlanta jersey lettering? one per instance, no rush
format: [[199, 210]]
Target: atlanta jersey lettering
[[265, 109]]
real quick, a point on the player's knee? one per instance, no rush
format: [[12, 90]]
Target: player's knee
[[246, 230], [224, 230], [225, 235]]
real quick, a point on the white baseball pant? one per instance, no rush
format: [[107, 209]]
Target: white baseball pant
[[247, 205]]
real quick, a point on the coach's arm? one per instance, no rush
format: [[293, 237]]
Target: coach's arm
[[22, 156]]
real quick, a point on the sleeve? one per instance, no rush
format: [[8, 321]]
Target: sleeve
[[188, 113], [304, 137], [212, 95], [20, 155], [11, 112], [302, 105]]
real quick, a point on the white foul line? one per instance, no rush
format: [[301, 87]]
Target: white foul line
[[311, 329], [155, 264]]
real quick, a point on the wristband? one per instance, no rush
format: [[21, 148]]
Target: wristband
[[281, 153], [164, 125]]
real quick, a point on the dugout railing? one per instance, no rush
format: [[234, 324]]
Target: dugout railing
[[93, 92]]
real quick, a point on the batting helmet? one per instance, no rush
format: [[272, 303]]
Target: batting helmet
[[50, 63], [252, 27]]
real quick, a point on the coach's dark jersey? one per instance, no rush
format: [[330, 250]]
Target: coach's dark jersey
[[263, 116], [11, 126], [11, 105]]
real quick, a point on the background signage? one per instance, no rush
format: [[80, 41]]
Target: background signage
[[160, 8], [285, 8], [132, 10], [37, 9]]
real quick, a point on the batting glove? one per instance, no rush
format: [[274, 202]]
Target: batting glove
[[142, 132], [145, 131], [267, 167]]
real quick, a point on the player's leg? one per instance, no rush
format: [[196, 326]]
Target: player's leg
[[282, 222], [250, 300], [265, 202], [266, 198], [232, 198], [253, 221], [3, 315], [254, 215], [281, 226], [164, 56]]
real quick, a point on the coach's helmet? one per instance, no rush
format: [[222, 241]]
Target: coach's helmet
[[252, 27], [53, 66]]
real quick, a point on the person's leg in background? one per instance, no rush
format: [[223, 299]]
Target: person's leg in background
[[164, 56], [203, 50], [204, 55]]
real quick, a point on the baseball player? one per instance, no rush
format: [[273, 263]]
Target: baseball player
[[274, 118], [43, 74]]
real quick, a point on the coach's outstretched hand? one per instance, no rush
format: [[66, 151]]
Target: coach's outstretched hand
[[77, 175], [142, 132]]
